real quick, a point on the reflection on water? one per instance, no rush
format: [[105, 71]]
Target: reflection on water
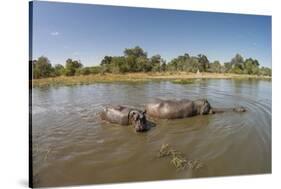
[[72, 146]]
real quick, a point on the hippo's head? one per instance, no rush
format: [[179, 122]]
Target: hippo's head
[[138, 119], [203, 107]]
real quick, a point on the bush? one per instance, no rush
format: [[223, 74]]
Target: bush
[[71, 66], [96, 69], [42, 68], [86, 71], [59, 70]]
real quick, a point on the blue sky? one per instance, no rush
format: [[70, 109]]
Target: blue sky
[[89, 32]]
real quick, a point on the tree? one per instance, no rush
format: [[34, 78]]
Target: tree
[[118, 65], [83, 71], [215, 67], [194, 64], [96, 69], [237, 60], [181, 63], [237, 64], [265, 71], [134, 60], [163, 66], [155, 62], [227, 67], [203, 63], [135, 52], [71, 66], [42, 68], [173, 65], [143, 64], [105, 64], [106, 60], [251, 66], [59, 70], [131, 55], [35, 71]]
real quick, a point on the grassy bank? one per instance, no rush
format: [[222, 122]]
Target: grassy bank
[[179, 77]]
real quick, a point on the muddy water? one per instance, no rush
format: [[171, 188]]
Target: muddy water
[[72, 146]]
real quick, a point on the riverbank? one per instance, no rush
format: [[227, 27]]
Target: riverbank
[[136, 77]]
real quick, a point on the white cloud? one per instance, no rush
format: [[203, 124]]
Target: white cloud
[[55, 33]]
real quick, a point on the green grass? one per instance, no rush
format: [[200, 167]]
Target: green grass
[[183, 81], [174, 77]]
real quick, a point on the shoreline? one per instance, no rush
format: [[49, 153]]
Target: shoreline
[[136, 77]]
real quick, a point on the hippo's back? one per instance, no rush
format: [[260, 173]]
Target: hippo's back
[[116, 114], [170, 109]]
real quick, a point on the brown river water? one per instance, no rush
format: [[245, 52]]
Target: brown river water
[[71, 146]]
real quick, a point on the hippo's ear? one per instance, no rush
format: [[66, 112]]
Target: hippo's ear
[[144, 112], [205, 109], [132, 114]]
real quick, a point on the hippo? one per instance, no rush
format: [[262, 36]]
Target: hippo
[[175, 109], [123, 115]]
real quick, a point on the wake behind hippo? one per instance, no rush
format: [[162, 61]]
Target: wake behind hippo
[[123, 115], [174, 109]]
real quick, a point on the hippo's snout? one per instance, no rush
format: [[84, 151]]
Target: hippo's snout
[[141, 129], [140, 125], [138, 120], [211, 111]]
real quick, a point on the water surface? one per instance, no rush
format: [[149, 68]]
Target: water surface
[[72, 146]]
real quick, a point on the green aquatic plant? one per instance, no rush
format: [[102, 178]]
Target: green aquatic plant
[[183, 81], [178, 160], [164, 150], [194, 164], [47, 153]]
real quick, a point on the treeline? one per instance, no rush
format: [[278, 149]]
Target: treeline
[[136, 60], [42, 68]]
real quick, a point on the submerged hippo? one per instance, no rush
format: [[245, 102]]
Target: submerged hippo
[[173, 109], [125, 116]]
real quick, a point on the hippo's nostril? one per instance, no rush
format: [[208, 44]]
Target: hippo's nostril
[[138, 130], [141, 128]]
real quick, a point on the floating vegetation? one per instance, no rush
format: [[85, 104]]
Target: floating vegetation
[[183, 81], [179, 162], [177, 158], [47, 153]]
